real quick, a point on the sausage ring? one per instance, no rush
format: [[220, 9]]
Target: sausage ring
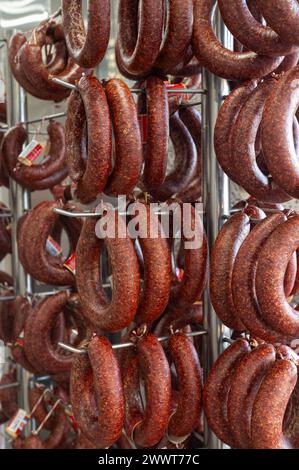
[[185, 161], [226, 119], [283, 17], [128, 146], [156, 150], [223, 62], [154, 369], [225, 250], [37, 176], [217, 386], [119, 313], [87, 49], [277, 251], [276, 135], [243, 280], [190, 288], [177, 37], [244, 134], [157, 266], [140, 32], [92, 181], [185, 358], [32, 238], [269, 429], [245, 383], [250, 32], [97, 394]]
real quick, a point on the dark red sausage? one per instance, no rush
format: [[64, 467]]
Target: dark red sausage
[[88, 46]]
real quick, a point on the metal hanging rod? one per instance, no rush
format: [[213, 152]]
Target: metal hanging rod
[[37, 133], [92, 215], [57, 291], [45, 118], [11, 385], [186, 91], [4, 215], [7, 297], [126, 345]]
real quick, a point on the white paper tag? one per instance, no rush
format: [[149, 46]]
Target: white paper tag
[[52, 247], [17, 423], [30, 153]]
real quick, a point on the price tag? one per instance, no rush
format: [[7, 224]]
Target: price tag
[[20, 340], [30, 153], [17, 423], [70, 263], [52, 247], [179, 274], [142, 118]]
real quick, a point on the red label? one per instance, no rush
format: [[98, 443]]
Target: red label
[[70, 263], [30, 153], [179, 274], [20, 340], [17, 423], [142, 118], [176, 86]]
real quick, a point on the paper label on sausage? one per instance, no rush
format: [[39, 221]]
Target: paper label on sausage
[[142, 118], [20, 340], [70, 415], [17, 423], [179, 274], [30, 153], [52, 247], [70, 263]]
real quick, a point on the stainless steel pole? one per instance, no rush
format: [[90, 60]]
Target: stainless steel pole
[[216, 205], [19, 201]]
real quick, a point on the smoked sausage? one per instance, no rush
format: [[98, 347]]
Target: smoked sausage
[[86, 47]]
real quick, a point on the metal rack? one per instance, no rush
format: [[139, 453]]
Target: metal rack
[[216, 206]]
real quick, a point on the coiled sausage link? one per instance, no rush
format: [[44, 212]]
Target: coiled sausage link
[[277, 139], [217, 386], [177, 36], [186, 362], [190, 288], [156, 150], [245, 383], [251, 33], [227, 117], [225, 249], [97, 394], [139, 35], [37, 176], [87, 48], [268, 427], [154, 369], [244, 133], [185, 161], [243, 280], [223, 62], [157, 266], [128, 147], [98, 164], [272, 264], [283, 17], [126, 277]]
